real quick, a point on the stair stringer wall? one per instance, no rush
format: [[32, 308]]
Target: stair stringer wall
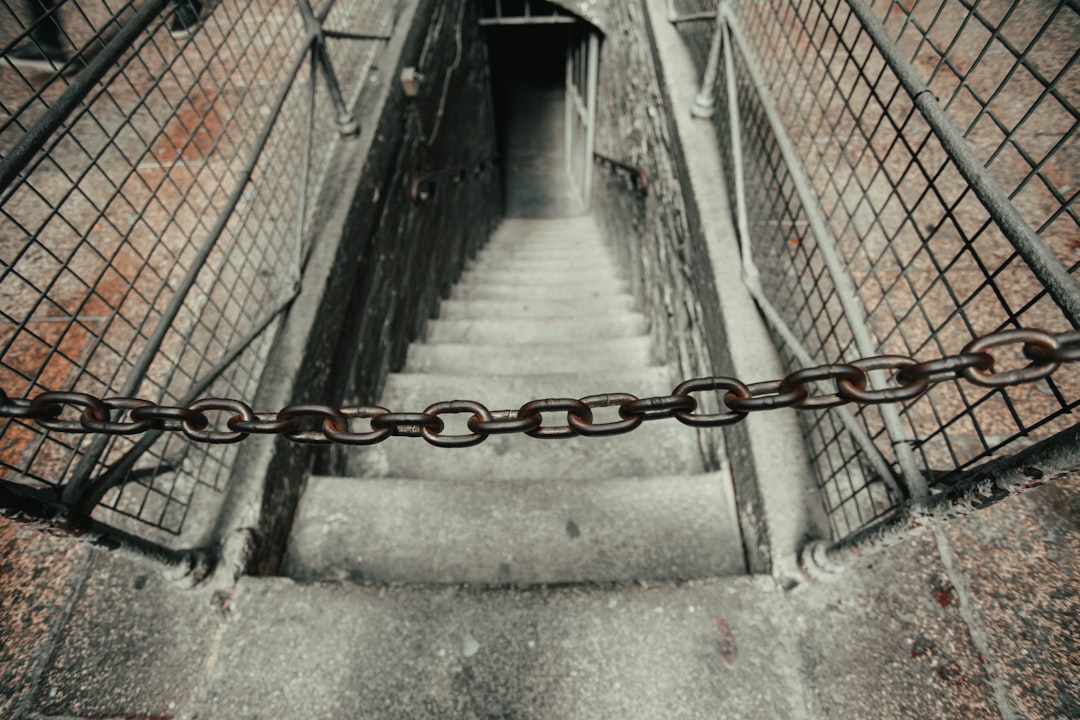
[[413, 252], [657, 241], [382, 261]]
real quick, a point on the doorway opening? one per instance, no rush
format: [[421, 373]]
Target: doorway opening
[[544, 80]]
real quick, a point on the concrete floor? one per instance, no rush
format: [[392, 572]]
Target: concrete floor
[[980, 621]]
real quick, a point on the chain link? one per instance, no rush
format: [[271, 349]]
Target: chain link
[[220, 420]]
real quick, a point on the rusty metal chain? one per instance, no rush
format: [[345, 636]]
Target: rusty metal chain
[[217, 420]]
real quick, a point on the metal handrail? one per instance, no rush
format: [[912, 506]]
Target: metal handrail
[[639, 173]]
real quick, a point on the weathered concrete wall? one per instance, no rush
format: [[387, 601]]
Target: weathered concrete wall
[[381, 261], [657, 237], [411, 253], [654, 235]]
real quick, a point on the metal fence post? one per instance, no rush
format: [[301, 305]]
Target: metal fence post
[[347, 124], [705, 102]]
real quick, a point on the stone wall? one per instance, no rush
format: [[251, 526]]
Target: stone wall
[[655, 236], [430, 201], [381, 260], [659, 242]]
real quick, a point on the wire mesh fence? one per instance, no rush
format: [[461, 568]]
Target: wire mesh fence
[[930, 257], [161, 166]]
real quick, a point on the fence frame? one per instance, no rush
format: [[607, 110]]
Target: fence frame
[[69, 503], [909, 486]]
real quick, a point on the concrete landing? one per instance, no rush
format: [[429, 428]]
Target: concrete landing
[[457, 359], [980, 622]]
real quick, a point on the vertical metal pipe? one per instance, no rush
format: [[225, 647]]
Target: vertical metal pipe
[[568, 104], [347, 124], [309, 136], [590, 129], [752, 277]]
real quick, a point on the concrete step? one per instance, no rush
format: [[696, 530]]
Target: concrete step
[[602, 279], [603, 355], [658, 448], [535, 293], [552, 247], [524, 228], [547, 264], [585, 252], [587, 232], [412, 392], [526, 308], [602, 268], [533, 331], [495, 531], [731, 647]]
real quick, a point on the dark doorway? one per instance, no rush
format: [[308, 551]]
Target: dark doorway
[[528, 66]]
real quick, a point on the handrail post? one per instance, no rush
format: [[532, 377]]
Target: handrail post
[[705, 102]]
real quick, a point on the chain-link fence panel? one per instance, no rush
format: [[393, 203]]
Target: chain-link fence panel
[[161, 165], [920, 159]]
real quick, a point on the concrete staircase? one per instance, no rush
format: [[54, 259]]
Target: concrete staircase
[[542, 313], [590, 578]]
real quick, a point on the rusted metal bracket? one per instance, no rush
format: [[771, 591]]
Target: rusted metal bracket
[[423, 186], [639, 174]]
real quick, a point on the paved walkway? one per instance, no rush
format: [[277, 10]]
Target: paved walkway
[[988, 629]]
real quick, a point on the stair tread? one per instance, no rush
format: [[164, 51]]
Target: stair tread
[[566, 291], [526, 308], [541, 314], [589, 255], [596, 277], [496, 531], [658, 448], [536, 330], [415, 391], [517, 226], [603, 355], [582, 257]]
